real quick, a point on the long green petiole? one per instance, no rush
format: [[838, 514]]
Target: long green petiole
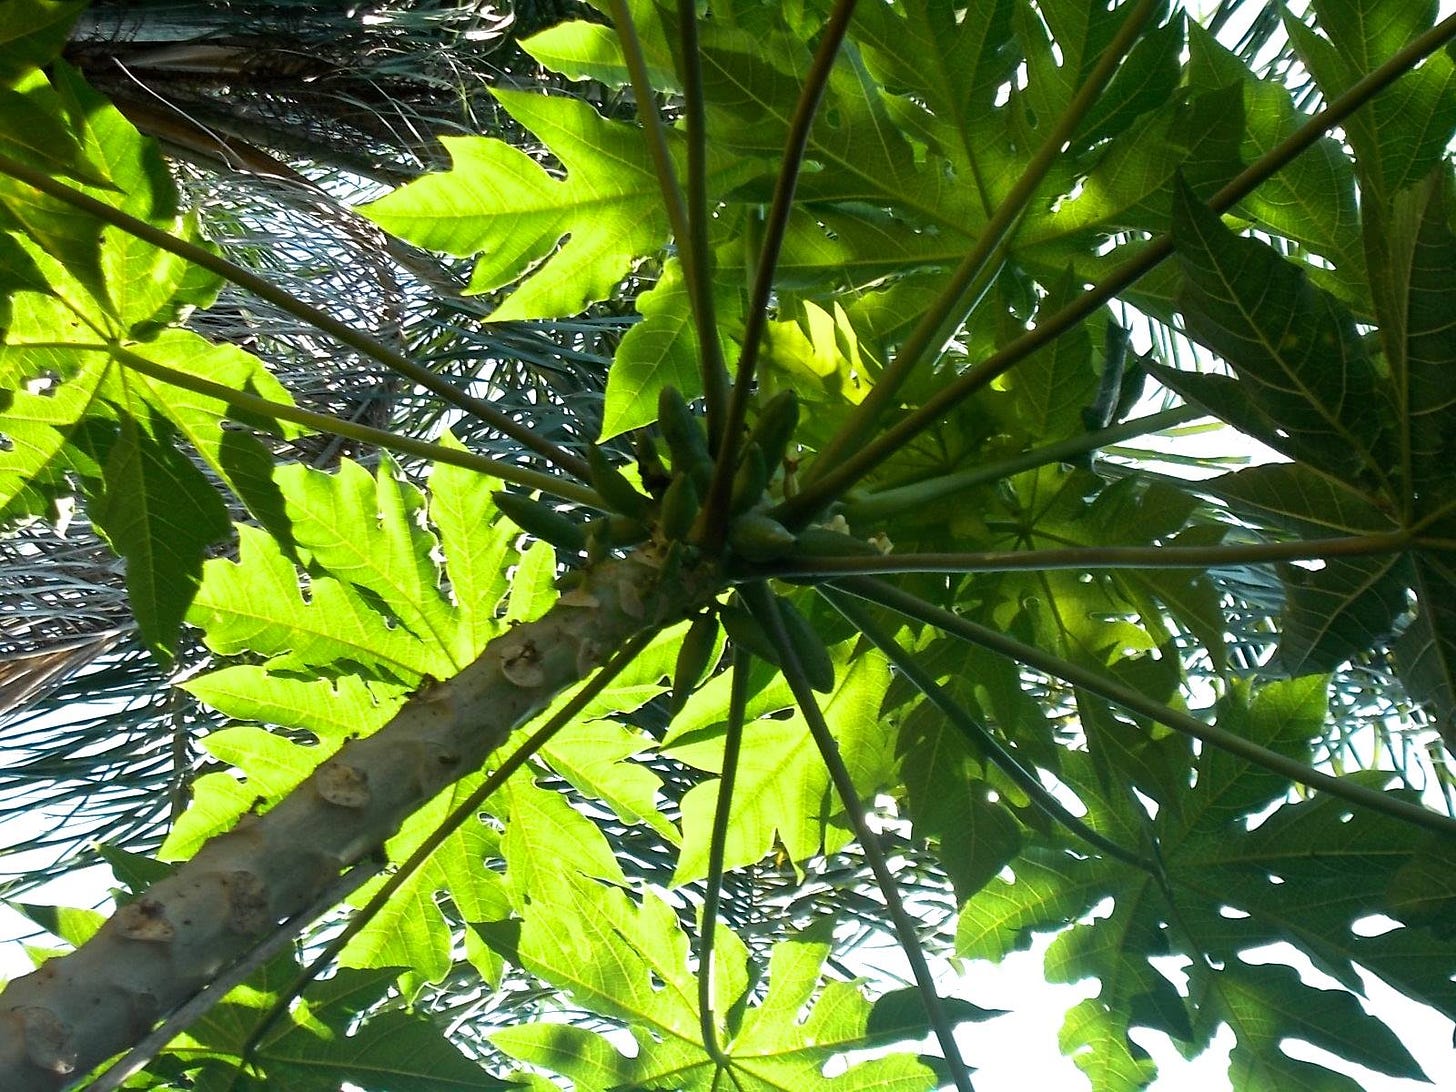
[[564, 488], [732, 748], [782, 205], [837, 480], [292, 305], [685, 215], [906, 498], [1091, 557], [976, 271], [978, 734], [912, 606], [761, 602], [694, 246]]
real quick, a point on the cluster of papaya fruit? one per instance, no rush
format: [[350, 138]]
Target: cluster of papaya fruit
[[672, 505], [669, 508]]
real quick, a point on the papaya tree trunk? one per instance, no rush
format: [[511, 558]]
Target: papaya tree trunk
[[60, 1021]]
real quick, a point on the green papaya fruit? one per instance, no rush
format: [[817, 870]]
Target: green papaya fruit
[[821, 542], [775, 428], [692, 658], [620, 494], [679, 507], [750, 480], [757, 537], [536, 518], [812, 652]]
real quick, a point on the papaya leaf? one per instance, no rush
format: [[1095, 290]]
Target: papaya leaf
[[1294, 498], [75, 406], [580, 50], [333, 709], [629, 962], [114, 281], [44, 409], [533, 585], [547, 839], [593, 757], [660, 351], [1311, 200], [411, 929], [1426, 652], [1049, 389], [943, 72], [159, 512], [239, 459], [1284, 716], [398, 1050], [1424, 370], [366, 529], [1128, 753], [1265, 1004], [1092, 1036], [273, 766], [1042, 890], [1129, 185], [257, 604], [783, 790], [33, 131], [751, 80], [975, 835], [1295, 346], [497, 197], [1304, 876], [74, 925], [1406, 129], [1344, 607], [1081, 33], [478, 550]]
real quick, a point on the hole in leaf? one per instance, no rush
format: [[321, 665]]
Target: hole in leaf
[[1374, 925], [44, 384]]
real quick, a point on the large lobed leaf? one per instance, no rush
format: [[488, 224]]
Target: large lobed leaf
[[630, 961], [1221, 890]]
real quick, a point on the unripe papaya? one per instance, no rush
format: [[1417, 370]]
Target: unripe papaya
[[535, 518], [750, 481], [684, 435], [626, 531], [598, 540], [679, 507], [692, 658], [812, 653], [649, 464], [745, 631], [821, 542], [775, 428], [757, 537], [620, 494]]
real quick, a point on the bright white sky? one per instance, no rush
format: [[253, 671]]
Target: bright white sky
[[1019, 1051]]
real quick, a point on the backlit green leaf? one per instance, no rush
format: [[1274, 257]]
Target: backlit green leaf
[[607, 204]]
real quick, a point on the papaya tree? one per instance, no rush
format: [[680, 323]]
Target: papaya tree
[[855, 561]]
